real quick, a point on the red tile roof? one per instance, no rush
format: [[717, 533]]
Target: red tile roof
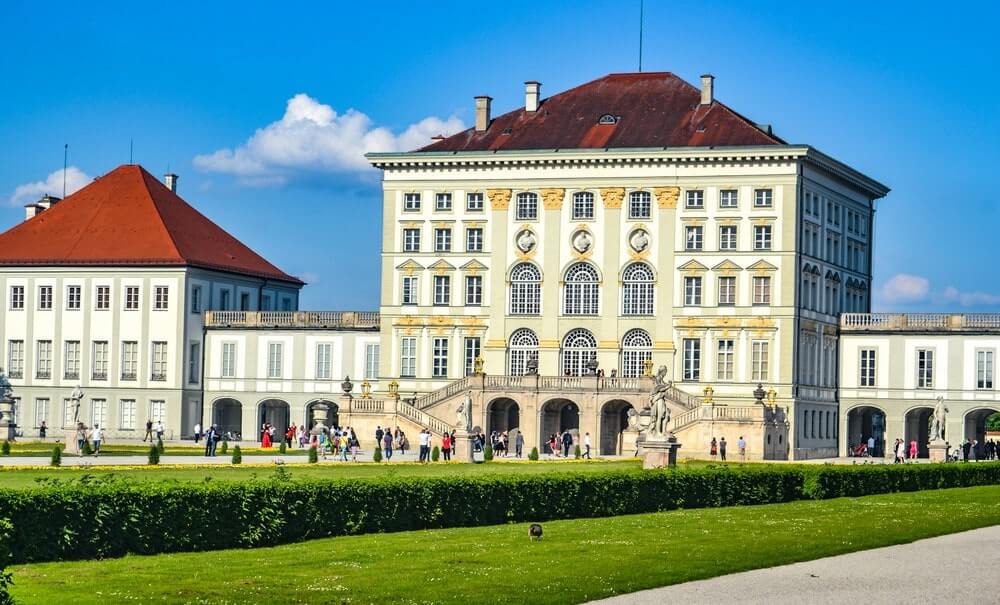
[[655, 109], [129, 218]]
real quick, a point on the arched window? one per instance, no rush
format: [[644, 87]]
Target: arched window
[[579, 348], [527, 207], [525, 290], [637, 290], [522, 346], [637, 347], [581, 290]]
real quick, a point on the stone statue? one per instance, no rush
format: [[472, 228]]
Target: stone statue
[[526, 241], [633, 419], [464, 422], [75, 397], [6, 391], [639, 240], [531, 367], [582, 241], [937, 420], [659, 411]]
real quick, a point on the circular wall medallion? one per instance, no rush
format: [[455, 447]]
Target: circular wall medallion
[[582, 241], [526, 241], [639, 240]]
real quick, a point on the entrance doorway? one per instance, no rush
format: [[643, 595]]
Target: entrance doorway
[[558, 416], [227, 416], [864, 422], [276, 413], [917, 423], [614, 420]]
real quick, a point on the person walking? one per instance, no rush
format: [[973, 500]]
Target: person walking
[[81, 437], [567, 440], [913, 449], [96, 436], [742, 445], [387, 445], [713, 449], [42, 429], [871, 446], [519, 444], [197, 432], [209, 435], [159, 430], [900, 448], [722, 449], [586, 446], [379, 433], [965, 451], [343, 443], [425, 445], [149, 431], [446, 447]]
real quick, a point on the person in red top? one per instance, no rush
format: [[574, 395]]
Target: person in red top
[[265, 440], [446, 446]]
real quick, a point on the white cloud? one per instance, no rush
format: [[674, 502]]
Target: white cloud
[[313, 137], [970, 299], [53, 185], [903, 287]]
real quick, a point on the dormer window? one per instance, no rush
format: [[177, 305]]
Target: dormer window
[[607, 119]]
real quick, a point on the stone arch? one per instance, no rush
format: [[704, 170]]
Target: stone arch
[[332, 413], [556, 416], [916, 426], [503, 415], [227, 416], [275, 412], [614, 420], [864, 421], [974, 427]]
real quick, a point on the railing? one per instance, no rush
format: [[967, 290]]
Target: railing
[[918, 321], [504, 382], [618, 383], [292, 319], [560, 383], [441, 394], [15, 374], [99, 376], [721, 413], [368, 405], [71, 376], [422, 418], [683, 399]]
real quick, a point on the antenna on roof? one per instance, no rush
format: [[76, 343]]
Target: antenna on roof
[[640, 34], [65, 157], [130, 149]]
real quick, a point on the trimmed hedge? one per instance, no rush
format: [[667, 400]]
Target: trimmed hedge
[[833, 481]]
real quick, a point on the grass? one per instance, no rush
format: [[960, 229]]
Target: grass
[[44, 449], [577, 560]]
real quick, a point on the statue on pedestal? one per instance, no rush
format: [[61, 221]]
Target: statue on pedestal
[[659, 411], [464, 420], [76, 396], [937, 420], [531, 366]]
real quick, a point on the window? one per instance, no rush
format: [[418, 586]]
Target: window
[[762, 198], [43, 366], [581, 291], [159, 366], [15, 359], [637, 290], [758, 360], [371, 361], [527, 207], [265, 303], [472, 352], [473, 290], [583, 206], [45, 297], [411, 240], [161, 298], [474, 239], [71, 354], [724, 363], [442, 201], [131, 298], [727, 291], [286, 304], [16, 298], [728, 198], [695, 199], [130, 360], [158, 410], [274, 351], [522, 346], [442, 240], [244, 301], [692, 359], [194, 363], [439, 367], [41, 411], [442, 290], [324, 361], [925, 369], [410, 292], [984, 369], [579, 349], [408, 357], [474, 202], [762, 237], [126, 414], [102, 298], [525, 290], [99, 371], [727, 237], [229, 360], [762, 290], [99, 412], [195, 300], [411, 202], [639, 205], [692, 291], [693, 238], [867, 367], [637, 348], [73, 298]]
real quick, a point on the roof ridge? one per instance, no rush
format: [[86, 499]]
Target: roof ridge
[[156, 206]]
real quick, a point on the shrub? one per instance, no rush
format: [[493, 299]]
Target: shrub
[[487, 453], [313, 455], [224, 448], [832, 481], [5, 448], [56, 456], [377, 454], [576, 452], [154, 455], [533, 455], [5, 556], [435, 454], [281, 448], [159, 445], [237, 455], [87, 449]]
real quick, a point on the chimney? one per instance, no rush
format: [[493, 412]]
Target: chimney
[[170, 179], [531, 91], [46, 202], [31, 210], [483, 113], [707, 89]]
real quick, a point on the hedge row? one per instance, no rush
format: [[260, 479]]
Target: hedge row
[[831, 481]]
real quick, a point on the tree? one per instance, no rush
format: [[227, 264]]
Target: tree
[[487, 453], [56, 456], [435, 454], [993, 422], [377, 454], [154, 455], [237, 455], [534, 454]]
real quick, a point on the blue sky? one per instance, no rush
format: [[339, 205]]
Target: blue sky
[[904, 92]]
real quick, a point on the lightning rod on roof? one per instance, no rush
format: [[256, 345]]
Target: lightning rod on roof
[[65, 157], [130, 150], [640, 34]]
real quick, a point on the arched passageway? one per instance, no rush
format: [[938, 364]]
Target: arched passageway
[[556, 417], [917, 426], [864, 422], [332, 417], [614, 420], [227, 416], [503, 415], [276, 413], [975, 428]]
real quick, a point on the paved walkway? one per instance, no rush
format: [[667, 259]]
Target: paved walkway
[[959, 568]]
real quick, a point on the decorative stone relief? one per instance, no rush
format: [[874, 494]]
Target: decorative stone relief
[[552, 199], [639, 240], [526, 241], [499, 198], [613, 197], [666, 197], [582, 242]]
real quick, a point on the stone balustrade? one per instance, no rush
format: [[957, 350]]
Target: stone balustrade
[[919, 322], [343, 320]]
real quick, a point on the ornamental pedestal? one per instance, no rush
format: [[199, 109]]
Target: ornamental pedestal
[[463, 446], [938, 451], [71, 445], [660, 453]]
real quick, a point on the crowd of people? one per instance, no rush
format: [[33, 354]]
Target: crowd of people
[[908, 451]]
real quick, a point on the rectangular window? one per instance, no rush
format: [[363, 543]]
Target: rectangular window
[[984, 369], [762, 290], [244, 301], [411, 202], [442, 201], [474, 239], [194, 363], [762, 198], [693, 238], [158, 410], [408, 357], [472, 351], [727, 291], [440, 359], [158, 369], [43, 367], [126, 414], [474, 202], [265, 303], [728, 198], [692, 359], [15, 359], [759, 361], [130, 360], [324, 361], [371, 361], [160, 298], [724, 369], [99, 412], [442, 240], [73, 298], [17, 298], [229, 360], [583, 206], [131, 298], [442, 290], [71, 367], [102, 298], [925, 368], [639, 205], [695, 199], [474, 290], [99, 371], [274, 351], [196, 299], [410, 291], [45, 297], [411, 240], [41, 411], [527, 207], [692, 291], [867, 367], [727, 237], [762, 237]]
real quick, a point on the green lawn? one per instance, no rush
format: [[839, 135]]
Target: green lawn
[[576, 561], [44, 448]]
